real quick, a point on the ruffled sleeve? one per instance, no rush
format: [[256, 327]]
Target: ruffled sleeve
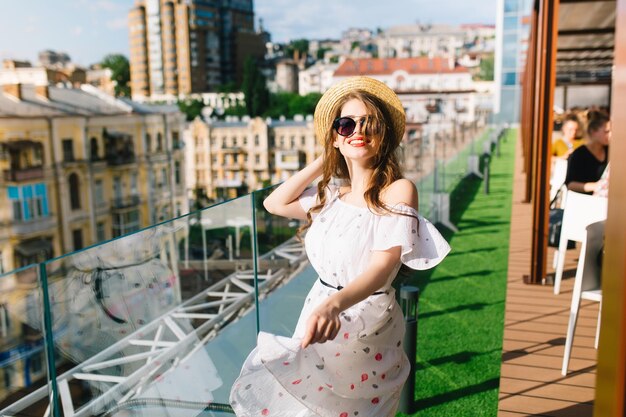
[[308, 198], [423, 247]]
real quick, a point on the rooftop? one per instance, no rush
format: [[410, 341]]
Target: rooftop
[[387, 66]]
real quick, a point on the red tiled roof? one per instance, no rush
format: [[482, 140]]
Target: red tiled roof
[[387, 66]]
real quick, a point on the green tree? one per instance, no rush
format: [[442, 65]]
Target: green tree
[[191, 108], [229, 87], [120, 67], [300, 45], [321, 52], [485, 72], [290, 104], [237, 110], [254, 89]]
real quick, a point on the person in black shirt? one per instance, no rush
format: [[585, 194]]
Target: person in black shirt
[[587, 163]]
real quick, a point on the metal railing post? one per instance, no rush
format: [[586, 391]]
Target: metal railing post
[[409, 298], [486, 159]]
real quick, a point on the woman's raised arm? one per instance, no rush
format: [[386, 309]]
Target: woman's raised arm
[[283, 201]]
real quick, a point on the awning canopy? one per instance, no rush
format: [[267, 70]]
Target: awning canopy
[[31, 248], [586, 40]]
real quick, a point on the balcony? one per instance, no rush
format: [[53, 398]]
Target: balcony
[[118, 160], [24, 174], [34, 226], [125, 202], [290, 160]]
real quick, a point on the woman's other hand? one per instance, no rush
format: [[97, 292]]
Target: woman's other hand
[[323, 324]]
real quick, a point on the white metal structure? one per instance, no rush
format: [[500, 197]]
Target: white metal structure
[[170, 341]]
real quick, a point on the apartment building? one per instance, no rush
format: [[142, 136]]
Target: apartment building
[[80, 167], [431, 89], [229, 158], [180, 47], [407, 41]]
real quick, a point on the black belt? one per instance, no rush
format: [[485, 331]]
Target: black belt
[[339, 287]]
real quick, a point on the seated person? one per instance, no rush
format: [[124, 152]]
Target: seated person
[[563, 147], [587, 163]]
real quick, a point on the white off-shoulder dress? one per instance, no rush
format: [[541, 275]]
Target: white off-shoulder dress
[[361, 372]]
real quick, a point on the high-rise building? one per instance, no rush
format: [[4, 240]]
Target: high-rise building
[[512, 31], [189, 46]]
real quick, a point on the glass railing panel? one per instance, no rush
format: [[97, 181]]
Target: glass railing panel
[[139, 322], [456, 164], [23, 356], [281, 260]]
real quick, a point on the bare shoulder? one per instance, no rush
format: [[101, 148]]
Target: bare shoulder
[[401, 191]]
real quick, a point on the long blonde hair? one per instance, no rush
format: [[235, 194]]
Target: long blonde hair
[[385, 162]]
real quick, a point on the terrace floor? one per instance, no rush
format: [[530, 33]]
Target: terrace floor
[[531, 383]]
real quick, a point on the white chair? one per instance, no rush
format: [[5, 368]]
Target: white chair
[[580, 211], [586, 285], [557, 177]]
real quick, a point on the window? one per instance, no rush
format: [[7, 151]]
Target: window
[[164, 177], [100, 232], [29, 201], [77, 237], [177, 172], [124, 223], [93, 147], [9, 370], [148, 143], [257, 159], [159, 142], [74, 191], [36, 364], [17, 210], [133, 184], [256, 140], [98, 191], [117, 188], [68, 150]]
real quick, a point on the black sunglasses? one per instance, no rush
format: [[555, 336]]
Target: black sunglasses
[[345, 126]]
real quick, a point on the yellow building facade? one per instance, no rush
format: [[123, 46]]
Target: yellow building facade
[[229, 158], [79, 168]]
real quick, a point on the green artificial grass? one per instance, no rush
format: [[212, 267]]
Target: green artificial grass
[[461, 307]]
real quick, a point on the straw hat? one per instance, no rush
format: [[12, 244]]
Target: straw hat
[[326, 109]]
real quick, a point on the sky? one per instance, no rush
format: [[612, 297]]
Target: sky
[[90, 29]]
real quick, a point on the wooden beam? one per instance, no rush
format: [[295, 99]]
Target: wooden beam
[[587, 49], [611, 376], [546, 60], [586, 31], [586, 1], [584, 59]]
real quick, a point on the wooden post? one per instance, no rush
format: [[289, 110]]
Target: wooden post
[[611, 379]]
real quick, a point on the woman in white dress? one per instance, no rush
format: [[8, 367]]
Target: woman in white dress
[[345, 357]]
